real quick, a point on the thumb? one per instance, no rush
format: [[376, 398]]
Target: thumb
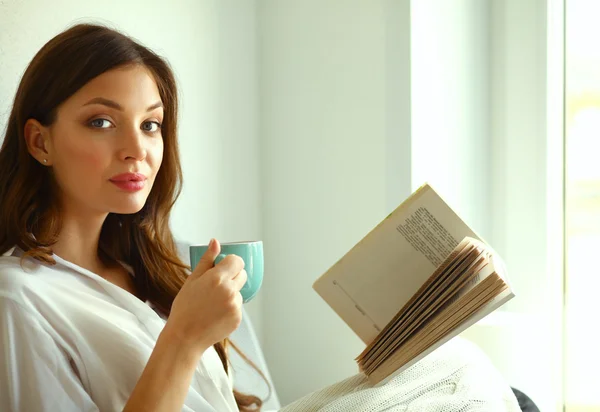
[[207, 260]]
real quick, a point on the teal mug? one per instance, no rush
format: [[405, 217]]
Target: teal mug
[[252, 255]]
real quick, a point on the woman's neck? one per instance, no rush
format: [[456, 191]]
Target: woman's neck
[[78, 241]]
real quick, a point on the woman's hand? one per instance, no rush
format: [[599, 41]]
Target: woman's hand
[[208, 308]]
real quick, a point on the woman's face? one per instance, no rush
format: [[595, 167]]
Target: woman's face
[[105, 146]]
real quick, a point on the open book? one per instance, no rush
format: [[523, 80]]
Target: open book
[[419, 278]]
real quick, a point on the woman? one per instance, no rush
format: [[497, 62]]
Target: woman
[[89, 171]]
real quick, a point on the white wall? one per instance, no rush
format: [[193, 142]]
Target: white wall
[[398, 102], [238, 105], [450, 104], [212, 47], [326, 124]]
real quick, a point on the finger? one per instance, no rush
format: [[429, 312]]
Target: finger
[[239, 280], [231, 265], [207, 260], [239, 300]]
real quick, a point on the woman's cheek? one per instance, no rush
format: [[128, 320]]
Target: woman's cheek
[[88, 160], [155, 153]]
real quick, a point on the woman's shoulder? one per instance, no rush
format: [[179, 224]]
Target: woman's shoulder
[[18, 276]]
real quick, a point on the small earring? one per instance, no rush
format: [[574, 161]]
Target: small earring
[[45, 160]]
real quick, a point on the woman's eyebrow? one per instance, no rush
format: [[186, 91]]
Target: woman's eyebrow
[[117, 106], [155, 106]]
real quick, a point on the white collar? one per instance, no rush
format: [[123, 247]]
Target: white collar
[[142, 310], [10, 252]]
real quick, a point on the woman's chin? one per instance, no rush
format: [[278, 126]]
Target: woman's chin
[[128, 208]]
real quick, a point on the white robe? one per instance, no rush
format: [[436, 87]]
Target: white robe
[[72, 341]]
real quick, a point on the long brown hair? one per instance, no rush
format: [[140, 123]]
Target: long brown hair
[[29, 212]]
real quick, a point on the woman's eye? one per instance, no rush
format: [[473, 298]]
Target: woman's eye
[[150, 126], [100, 123]]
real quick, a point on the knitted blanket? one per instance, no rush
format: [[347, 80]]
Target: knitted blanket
[[456, 377]]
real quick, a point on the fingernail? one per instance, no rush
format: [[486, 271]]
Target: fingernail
[[212, 241]]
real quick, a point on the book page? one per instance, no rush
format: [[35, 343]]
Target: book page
[[419, 341], [469, 279], [423, 298], [379, 275], [392, 366]]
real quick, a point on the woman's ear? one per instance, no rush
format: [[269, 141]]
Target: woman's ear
[[37, 137]]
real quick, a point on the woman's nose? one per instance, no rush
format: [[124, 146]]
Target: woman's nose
[[133, 146]]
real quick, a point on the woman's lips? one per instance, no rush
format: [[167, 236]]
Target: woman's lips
[[129, 182]]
